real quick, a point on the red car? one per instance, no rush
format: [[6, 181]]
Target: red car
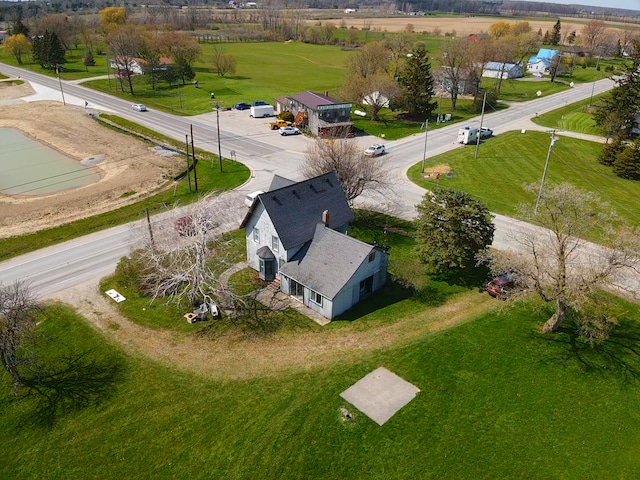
[[185, 226], [502, 286]]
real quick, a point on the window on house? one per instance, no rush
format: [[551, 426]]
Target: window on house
[[256, 235], [366, 286], [316, 297], [275, 243], [372, 256]]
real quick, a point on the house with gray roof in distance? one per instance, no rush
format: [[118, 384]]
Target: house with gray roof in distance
[[502, 70], [296, 234], [318, 113]]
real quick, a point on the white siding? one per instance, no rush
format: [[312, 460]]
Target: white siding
[[261, 220], [349, 295]]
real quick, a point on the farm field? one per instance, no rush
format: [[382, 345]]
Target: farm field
[[497, 400], [461, 25], [509, 161]]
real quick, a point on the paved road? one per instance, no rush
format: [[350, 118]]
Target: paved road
[[61, 266]]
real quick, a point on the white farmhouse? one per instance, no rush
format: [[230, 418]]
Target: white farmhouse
[[297, 233]]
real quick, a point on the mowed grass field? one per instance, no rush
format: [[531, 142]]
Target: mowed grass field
[[264, 71], [576, 117], [497, 400], [508, 161]]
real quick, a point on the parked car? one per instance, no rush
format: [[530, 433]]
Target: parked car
[[375, 150], [185, 226], [242, 106], [249, 199], [503, 286], [139, 107], [289, 131], [259, 103], [485, 133]]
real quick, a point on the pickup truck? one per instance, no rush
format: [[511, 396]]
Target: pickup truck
[[279, 124]]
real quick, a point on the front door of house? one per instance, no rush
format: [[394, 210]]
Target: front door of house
[[267, 270]]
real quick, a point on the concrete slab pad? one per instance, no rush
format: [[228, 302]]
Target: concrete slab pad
[[380, 394]]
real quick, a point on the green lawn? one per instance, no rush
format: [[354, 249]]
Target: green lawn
[[392, 126], [522, 90], [508, 161], [497, 400], [576, 117], [410, 289]]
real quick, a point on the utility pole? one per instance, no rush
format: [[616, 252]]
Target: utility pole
[[554, 139], [426, 132], [186, 139], [484, 101], [593, 87], [60, 82], [218, 127], [153, 245], [195, 161]]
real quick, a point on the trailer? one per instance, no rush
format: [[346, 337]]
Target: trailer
[[468, 135], [260, 111]]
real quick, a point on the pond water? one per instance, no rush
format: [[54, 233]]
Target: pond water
[[28, 167]]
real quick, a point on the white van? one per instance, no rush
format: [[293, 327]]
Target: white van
[[248, 200], [468, 135]]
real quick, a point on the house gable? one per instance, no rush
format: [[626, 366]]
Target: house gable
[[339, 269], [294, 210]]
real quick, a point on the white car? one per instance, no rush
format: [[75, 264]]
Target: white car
[[375, 150], [289, 131], [485, 132], [139, 107]]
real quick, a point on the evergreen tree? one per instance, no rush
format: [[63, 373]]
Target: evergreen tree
[[571, 38], [610, 152], [88, 59], [48, 51], [451, 228], [616, 113], [627, 164], [555, 34], [19, 28], [546, 39], [416, 82]]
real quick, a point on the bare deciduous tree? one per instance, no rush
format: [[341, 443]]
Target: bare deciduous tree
[[555, 263], [223, 62], [18, 312], [457, 63], [593, 34], [190, 251], [356, 172], [124, 42]]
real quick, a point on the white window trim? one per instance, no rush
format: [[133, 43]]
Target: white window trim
[[256, 233], [313, 295], [275, 243]]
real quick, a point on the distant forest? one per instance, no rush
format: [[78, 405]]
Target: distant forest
[[27, 9]]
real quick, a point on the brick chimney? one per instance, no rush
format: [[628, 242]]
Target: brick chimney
[[325, 218]]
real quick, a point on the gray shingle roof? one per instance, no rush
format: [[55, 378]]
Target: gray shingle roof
[[297, 208], [278, 182], [313, 100], [327, 263]]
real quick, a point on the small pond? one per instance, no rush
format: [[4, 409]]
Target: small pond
[[30, 168]]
